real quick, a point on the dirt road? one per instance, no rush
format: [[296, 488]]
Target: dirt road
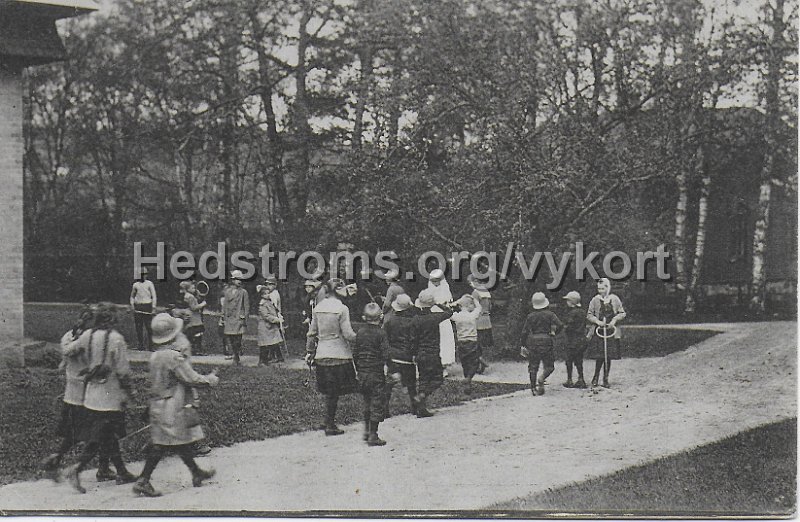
[[472, 456]]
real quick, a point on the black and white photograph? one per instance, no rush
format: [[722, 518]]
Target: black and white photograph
[[479, 259]]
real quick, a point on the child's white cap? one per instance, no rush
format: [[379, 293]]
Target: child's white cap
[[573, 297]]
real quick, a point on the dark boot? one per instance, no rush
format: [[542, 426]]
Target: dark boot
[[125, 477], [199, 475], [332, 430], [373, 439], [468, 387], [144, 488], [104, 473], [201, 449], [72, 474], [50, 465], [331, 402], [422, 410], [532, 377], [366, 429], [276, 350]]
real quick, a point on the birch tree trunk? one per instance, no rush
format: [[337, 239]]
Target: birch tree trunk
[[775, 54], [679, 248], [700, 237]]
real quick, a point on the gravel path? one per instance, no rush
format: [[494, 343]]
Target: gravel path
[[490, 450]]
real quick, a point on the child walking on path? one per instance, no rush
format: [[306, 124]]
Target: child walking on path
[[108, 391], [466, 321], [429, 362], [575, 330], [399, 328], [540, 327], [370, 355], [175, 423], [73, 413]]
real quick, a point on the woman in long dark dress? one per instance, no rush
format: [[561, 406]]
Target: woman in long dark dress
[[605, 311]]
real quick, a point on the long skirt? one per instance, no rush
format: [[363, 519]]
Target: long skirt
[[596, 350], [447, 343], [71, 424], [339, 379], [100, 424]]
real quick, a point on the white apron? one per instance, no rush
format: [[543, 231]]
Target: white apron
[[447, 339]]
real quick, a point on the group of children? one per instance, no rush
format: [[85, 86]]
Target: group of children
[[405, 342], [592, 334], [98, 393], [399, 344]]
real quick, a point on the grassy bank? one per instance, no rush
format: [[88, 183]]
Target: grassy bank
[[751, 473], [48, 322], [249, 404], [636, 342]]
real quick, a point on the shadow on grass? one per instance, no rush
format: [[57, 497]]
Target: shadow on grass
[[751, 473]]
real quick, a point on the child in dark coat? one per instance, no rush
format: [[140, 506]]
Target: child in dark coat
[[575, 330], [540, 327], [370, 355], [399, 328], [429, 362]]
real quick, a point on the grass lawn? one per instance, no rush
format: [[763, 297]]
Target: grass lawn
[[48, 322], [248, 404], [752, 473], [636, 342]]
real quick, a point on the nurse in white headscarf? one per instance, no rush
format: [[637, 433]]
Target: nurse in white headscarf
[[447, 339]]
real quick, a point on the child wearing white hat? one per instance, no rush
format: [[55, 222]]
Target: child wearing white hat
[[400, 332], [427, 332], [536, 340]]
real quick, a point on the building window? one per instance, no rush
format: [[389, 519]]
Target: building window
[[738, 244]]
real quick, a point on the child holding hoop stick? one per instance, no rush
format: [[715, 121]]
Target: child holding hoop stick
[[605, 311]]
